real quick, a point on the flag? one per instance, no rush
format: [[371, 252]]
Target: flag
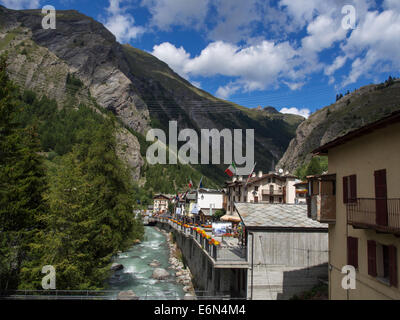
[[248, 178], [190, 183], [231, 170], [201, 183]]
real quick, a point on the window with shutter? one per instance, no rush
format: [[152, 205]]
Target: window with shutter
[[352, 252], [372, 258], [393, 266], [345, 189], [381, 198], [353, 188]]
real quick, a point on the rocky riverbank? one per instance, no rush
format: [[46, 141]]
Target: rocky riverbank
[[183, 275]]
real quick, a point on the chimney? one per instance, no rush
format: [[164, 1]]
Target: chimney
[[260, 174]]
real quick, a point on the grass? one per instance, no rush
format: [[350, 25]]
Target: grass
[[7, 40]]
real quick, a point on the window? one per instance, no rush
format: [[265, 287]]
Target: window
[[350, 189], [352, 252], [256, 188], [382, 262]]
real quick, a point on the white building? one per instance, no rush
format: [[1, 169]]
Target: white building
[[261, 188]]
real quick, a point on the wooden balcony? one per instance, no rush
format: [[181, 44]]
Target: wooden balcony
[[270, 192], [323, 208], [380, 214]]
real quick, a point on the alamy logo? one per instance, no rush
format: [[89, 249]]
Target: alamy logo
[[49, 20], [190, 152], [349, 281], [49, 280], [350, 18]]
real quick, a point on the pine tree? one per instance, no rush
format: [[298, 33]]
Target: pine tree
[[314, 167], [22, 183]]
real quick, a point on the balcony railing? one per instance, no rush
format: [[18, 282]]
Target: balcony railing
[[271, 192], [221, 253], [374, 213]]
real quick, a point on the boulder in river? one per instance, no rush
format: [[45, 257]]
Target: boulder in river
[[137, 241], [155, 264], [160, 274], [127, 295], [116, 266]]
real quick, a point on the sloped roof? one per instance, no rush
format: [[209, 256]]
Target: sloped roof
[[381, 123], [259, 215]]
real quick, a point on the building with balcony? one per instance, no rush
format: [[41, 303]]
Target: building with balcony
[[360, 199], [160, 203], [261, 188]]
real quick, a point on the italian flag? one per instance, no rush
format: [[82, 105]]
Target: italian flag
[[190, 184], [231, 170]]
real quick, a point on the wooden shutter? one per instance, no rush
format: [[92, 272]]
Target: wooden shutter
[[372, 258], [381, 198], [352, 252], [345, 189], [353, 188], [393, 266]]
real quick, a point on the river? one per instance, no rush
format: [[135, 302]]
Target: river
[[137, 274]]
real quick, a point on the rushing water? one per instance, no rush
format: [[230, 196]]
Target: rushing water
[[137, 274]]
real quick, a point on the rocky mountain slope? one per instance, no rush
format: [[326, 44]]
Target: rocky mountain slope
[[81, 62], [351, 112]]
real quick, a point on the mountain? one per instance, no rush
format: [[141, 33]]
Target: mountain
[[350, 112], [81, 62]]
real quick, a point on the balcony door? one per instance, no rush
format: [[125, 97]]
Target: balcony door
[[381, 198]]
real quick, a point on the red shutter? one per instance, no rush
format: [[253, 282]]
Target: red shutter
[[345, 190], [381, 198], [393, 266], [353, 188], [352, 252], [372, 258]]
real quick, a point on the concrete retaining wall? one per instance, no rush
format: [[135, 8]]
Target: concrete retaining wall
[[206, 277]]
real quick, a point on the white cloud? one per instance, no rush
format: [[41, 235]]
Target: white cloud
[[301, 112], [120, 23], [176, 58], [235, 20], [225, 92], [167, 13], [256, 67], [374, 46], [258, 63], [21, 4]]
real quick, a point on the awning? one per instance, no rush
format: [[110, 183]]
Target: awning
[[230, 218]]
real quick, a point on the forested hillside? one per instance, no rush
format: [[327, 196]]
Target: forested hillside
[[66, 199]]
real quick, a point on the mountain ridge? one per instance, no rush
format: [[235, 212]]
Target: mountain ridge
[[142, 91], [354, 110]]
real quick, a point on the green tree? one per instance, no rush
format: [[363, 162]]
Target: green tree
[[22, 184], [314, 167]]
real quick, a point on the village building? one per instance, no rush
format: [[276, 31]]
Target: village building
[[287, 252], [301, 192], [261, 188], [160, 203], [360, 199]]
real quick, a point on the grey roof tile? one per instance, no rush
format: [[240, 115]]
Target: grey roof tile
[[276, 215]]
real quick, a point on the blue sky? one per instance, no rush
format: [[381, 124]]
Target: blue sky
[[295, 55]]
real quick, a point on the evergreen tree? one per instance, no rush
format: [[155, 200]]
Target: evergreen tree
[[314, 167], [22, 183]]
